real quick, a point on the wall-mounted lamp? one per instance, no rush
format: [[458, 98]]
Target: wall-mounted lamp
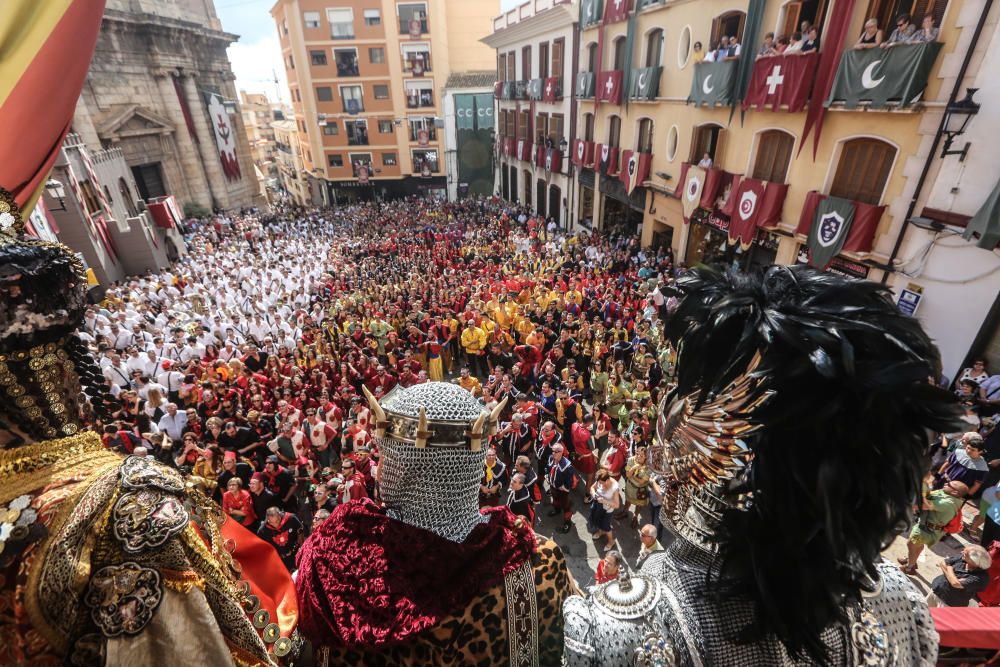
[[956, 117]]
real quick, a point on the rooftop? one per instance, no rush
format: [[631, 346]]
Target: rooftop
[[475, 79]]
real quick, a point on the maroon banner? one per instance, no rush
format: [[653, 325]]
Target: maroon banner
[[833, 45], [771, 207], [635, 169], [782, 81], [682, 180], [579, 150], [747, 197], [497, 90], [508, 146], [716, 181], [552, 90], [540, 156], [861, 235], [609, 87], [553, 160], [606, 159], [524, 150], [616, 10], [185, 109], [729, 206]]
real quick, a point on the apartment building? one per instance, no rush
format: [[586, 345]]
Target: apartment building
[[816, 157], [366, 80], [536, 53]]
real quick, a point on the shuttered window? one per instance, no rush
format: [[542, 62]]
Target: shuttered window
[[863, 170], [774, 153], [558, 48]]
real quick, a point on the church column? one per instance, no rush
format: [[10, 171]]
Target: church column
[[187, 156], [207, 147]]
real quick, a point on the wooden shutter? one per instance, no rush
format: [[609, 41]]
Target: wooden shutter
[[774, 153], [619, 54], [526, 63], [543, 60], [863, 170], [558, 48], [556, 129]]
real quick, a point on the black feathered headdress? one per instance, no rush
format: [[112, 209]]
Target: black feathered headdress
[[837, 446]]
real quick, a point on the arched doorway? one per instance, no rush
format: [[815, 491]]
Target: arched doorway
[[555, 203], [540, 198]]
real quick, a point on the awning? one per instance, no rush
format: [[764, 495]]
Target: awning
[[968, 627]]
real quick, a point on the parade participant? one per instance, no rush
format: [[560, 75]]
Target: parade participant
[[485, 588], [562, 480], [756, 352], [494, 479], [519, 499], [102, 561]]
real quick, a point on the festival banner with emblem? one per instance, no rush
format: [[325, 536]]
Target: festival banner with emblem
[[878, 76], [591, 12], [635, 169], [474, 124], [713, 83], [535, 89], [716, 182], [520, 90], [498, 90], [585, 85], [225, 137], [616, 10], [553, 89], [609, 87], [694, 182], [606, 158], [782, 81], [47, 47], [524, 150], [644, 83], [508, 90], [859, 235], [553, 160], [831, 224], [747, 196], [583, 152]]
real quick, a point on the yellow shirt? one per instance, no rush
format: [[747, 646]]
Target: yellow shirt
[[473, 339]]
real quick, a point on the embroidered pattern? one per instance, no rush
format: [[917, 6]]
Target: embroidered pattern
[[122, 598], [522, 616], [139, 473], [146, 519]]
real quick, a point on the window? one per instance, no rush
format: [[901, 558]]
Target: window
[[376, 55], [522, 126], [291, 62], [419, 94], [619, 57], [310, 19], [526, 63], [543, 60], [381, 91], [884, 11], [729, 24], [416, 57], [707, 139], [298, 95], [502, 67], [126, 192], [684, 47], [614, 131], [302, 126], [410, 13], [672, 143], [360, 159], [645, 143], [592, 58], [341, 23], [385, 127], [317, 57], [425, 124], [324, 94], [654, 48], [511, 66], [556, 129], [373, 17], [389, 159], [588, 127], [353, 102], [428, 158], [558, 49], [347, 62], [774, 153], [330, 129], [863, 170], [541, 128], [357, 132], [335, 160]]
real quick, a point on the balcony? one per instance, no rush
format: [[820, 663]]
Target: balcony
[[420, 99], [644, 83], [585, 85], [428, 128], [353, 106], [357, 134], [417, 63], [347, 64], [877, 77]]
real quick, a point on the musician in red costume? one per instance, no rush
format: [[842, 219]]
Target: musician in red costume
[[426, 578]]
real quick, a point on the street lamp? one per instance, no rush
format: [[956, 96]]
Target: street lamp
[[956, 117], [56, 190]]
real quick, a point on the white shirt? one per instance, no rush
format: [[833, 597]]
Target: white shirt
[[173, 425]]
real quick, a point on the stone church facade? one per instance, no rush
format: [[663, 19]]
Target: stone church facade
[[156, 66]]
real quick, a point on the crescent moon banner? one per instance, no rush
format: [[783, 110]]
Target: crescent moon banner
[[713, 83], [881, 77]]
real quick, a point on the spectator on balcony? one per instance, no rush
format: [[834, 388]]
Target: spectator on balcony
[[927, 33], [699, 54], [781, 46], [903, 34], [706, 161], [796, 44], [871, 36], [733, 49], [811, 41], [767, 48], [718, 52]]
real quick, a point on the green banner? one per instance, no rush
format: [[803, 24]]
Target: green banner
[[633, 21], [831, 224], [644, 83], [877, 76], [591, 12], [585, 85], [535, 89], [474, 122], [713, 83], [751, 35]]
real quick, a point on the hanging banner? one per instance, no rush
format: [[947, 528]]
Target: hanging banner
[[878, 76], [693, 184], [635, 169], [225, 137], [363, 174], [590, 13], [553, 89], [607, 159], [837, 24], [644, 83], [713, 83], [609, 87], [782, 81], [617, 10], [585, 85]]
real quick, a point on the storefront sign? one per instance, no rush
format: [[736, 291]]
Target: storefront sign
[[909, 299]]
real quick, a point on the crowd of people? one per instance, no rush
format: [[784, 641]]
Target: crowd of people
[[245, 364]]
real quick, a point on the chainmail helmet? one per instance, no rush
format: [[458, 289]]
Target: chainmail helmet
[[430, 438], [43, 365]]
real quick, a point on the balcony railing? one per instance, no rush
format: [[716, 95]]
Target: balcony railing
[[417, 63], [348, 67], [423, 99], [353, 106], [585, 85], [431, 131]]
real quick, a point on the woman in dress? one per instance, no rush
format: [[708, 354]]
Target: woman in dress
[[637, 476]]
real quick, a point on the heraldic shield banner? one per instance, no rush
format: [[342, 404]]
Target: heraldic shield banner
[[830, 227]]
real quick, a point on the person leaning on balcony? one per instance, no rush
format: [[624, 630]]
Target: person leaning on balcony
[[796, 44], [927, 33], [767, 48], [732, 50], [781, 46], [871, 36], [699, 53], [903, 34], [811, 41]]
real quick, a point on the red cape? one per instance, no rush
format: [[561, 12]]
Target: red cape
[[366, 581]]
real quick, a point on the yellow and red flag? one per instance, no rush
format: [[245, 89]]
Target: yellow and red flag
[[45, 51]]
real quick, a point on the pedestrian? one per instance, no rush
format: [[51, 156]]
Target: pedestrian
[[606, 496], [562, 481], [962, 577]]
